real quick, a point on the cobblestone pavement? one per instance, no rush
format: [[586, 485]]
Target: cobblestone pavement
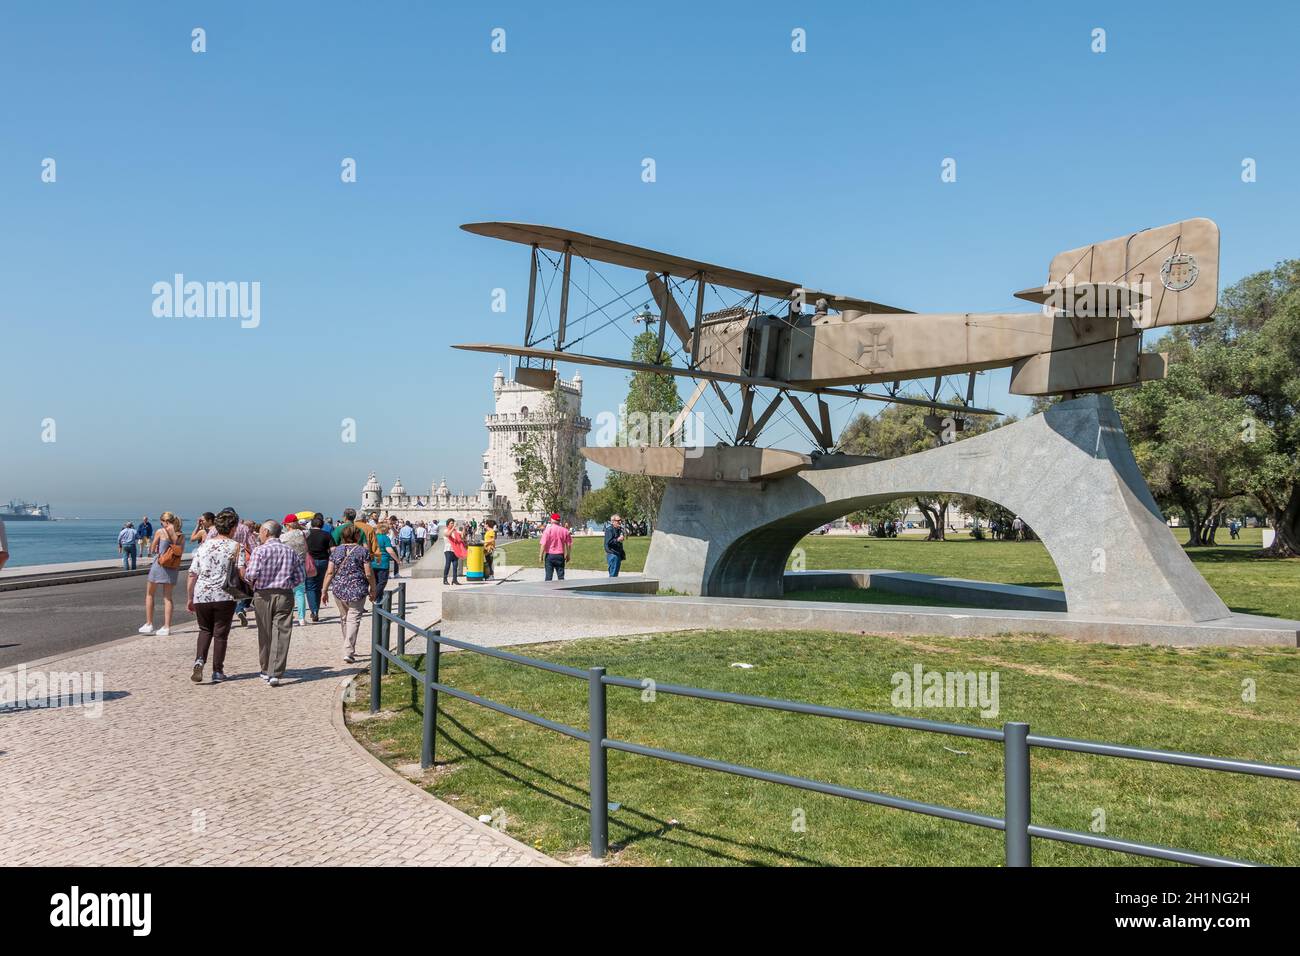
[[173, 772]]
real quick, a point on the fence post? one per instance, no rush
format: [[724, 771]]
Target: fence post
[[374, 657], [387, 627], [1015, 772], [401, 612], [598, 779], [432, 652]]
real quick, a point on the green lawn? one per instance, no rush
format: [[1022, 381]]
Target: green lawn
[[673, 815], [1246, 583]]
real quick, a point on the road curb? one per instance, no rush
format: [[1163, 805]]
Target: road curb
[[71, 577]]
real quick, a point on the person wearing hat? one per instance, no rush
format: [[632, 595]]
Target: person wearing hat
[[296, 539], [554, 547]]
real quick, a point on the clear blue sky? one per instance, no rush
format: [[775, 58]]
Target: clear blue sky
[[822, 167]]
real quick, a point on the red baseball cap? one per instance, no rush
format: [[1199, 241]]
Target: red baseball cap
[[555, 517], [289, 519]]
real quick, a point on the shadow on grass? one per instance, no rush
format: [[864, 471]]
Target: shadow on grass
[[580, 800]]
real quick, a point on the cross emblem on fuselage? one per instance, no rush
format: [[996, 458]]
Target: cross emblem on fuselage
[[872, 350]]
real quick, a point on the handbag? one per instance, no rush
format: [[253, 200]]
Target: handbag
[[235, 583], [309, 566], [171, 558]]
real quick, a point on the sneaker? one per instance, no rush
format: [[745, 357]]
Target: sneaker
[[197, 674], [146, 629], [218, 677], [163, 631], [315, 618], [273, 681], [243, 619], [349, 659], [263, 675]]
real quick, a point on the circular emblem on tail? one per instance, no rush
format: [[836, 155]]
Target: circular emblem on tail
[[1179, 272]]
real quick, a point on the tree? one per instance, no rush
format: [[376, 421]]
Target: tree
[[549, 465], [901, 430], [878, 516], [651, 407], [598, 504], [1224, 423]]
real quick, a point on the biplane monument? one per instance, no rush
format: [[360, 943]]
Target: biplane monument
[[762, 350]]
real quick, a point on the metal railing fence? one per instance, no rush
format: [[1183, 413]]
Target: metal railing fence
[[1017, 744]]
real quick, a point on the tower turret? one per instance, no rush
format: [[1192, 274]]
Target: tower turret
[[371, 493]]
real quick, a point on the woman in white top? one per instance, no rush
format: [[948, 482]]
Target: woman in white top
[[208, 599]]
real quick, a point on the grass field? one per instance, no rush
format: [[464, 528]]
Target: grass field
[[536, 780], [1246, 583]]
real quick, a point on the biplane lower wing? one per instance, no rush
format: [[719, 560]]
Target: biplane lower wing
[[551, 355]]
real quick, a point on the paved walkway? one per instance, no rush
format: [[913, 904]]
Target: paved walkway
[[173, 772]]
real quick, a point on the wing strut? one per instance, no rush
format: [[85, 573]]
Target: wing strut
[[532, 298], [823, 438], [564, 298]]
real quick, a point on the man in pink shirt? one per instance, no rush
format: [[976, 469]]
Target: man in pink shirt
[[554, 546]]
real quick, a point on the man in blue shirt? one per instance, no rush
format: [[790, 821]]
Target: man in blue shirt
[[144, 535], [126, 546], [614, 553]]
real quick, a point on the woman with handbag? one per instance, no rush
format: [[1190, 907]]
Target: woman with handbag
[[353, 579], [214, 586], [167, 547]]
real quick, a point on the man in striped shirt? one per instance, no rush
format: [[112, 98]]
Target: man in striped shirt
[[273, 571]]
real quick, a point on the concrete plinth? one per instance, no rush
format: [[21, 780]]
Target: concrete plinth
[[1069, 473]]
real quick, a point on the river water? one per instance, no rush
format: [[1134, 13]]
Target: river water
[[59, 541]]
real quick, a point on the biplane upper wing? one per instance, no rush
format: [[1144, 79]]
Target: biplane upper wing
[[636, 257]]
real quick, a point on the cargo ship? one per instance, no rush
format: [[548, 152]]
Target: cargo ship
[[24, 511]]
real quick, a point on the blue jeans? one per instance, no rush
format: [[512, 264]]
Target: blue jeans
[[451, 564], [614, 562], [313, 585], [128, 558], [555, 563]]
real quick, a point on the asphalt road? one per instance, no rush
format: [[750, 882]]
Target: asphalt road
[[41, 622]]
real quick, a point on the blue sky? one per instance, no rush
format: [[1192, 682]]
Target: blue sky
[[822, 167]]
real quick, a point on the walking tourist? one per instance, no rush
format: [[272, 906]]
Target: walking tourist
[[421, 532], [406, 540], [212, 605], [351, 578], [295, 538], [246, 536], [167, 547], [126, 546], [144, 535], [614, 553], [273, 572], [319, 543], [553, 548], [387, 556], [489, 547], [452, 545]]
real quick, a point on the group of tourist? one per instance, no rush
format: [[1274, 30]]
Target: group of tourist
[[283, 571]]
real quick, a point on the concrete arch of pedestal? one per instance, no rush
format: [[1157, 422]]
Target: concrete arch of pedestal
[[1068, 472]]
